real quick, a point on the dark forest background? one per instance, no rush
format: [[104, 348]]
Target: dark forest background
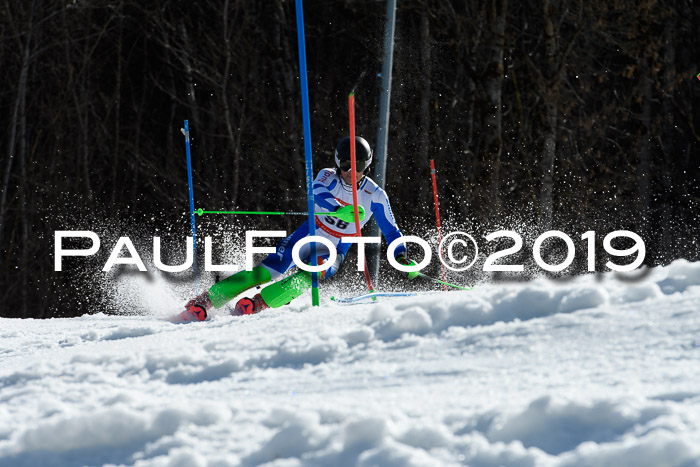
[[552, 114]]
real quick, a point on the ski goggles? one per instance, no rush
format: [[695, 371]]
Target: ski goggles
[[346, 166]]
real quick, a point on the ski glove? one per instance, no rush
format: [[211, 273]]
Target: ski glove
[[407, 262], [330, 272], [347, 213]]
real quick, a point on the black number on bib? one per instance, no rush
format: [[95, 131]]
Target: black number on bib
[[336, 222]]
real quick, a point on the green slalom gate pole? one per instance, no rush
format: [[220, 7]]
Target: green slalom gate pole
[[201, 211]]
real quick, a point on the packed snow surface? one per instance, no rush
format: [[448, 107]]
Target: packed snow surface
[[593, 371]]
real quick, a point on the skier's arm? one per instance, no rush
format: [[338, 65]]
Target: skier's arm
[[324, 199], [387, 224], [385, 219]]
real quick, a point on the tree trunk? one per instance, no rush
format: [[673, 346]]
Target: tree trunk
[[494, 114], [191, 95], [232, 140], [81, 106], [674, 174], [19, 103], [288, 87], [118, 99], [25, 243], [644, 168], [424, 125], [551, 103]]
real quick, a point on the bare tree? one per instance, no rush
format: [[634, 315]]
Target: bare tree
[[493, 121], [551, 105], [18, 112]]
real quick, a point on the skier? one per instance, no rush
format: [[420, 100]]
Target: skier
[[332, 193]]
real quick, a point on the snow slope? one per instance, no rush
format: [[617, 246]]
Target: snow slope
[[595, 371]]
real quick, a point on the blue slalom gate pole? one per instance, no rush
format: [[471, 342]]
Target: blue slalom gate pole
[[307, 145], [189, 181]]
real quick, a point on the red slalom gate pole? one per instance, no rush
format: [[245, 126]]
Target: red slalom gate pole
[[437, 215], [353, 166]]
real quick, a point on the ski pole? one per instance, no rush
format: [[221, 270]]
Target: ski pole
[[420, 274]]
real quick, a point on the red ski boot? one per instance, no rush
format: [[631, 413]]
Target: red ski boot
[[196, 309], [249, 306]]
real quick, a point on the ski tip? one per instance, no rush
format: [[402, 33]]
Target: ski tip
[[187, 317]]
